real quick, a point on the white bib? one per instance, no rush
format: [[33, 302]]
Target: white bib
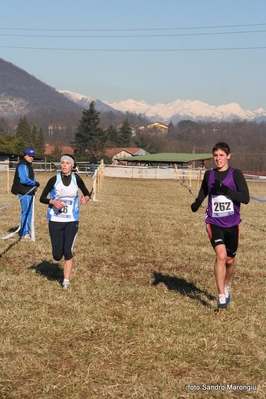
[[221, 206], [66, 194]]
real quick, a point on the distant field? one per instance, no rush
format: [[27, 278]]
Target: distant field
[[139, 320]]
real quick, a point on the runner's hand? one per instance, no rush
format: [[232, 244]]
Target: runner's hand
[[195, 206], [220, 188]]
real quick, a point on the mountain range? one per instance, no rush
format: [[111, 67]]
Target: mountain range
[[21, 93], [175, 111]]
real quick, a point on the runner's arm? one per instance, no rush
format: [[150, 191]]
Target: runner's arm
[[203, 192], [242, 193], [44, 198], [82, 187]]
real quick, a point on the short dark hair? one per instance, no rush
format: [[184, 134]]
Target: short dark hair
[[221, 146]]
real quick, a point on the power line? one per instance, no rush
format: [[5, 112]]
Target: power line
[[133, 36], [135, 50], [131, 29]]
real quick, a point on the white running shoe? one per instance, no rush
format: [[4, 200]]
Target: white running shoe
[[221, 301], [65, 285], [227, 293]]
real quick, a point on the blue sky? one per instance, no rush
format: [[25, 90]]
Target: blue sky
[[152, 50]]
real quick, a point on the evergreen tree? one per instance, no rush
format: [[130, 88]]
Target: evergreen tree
[[7, 143], [89, 136], [112, 138], [24, 132], [20, 145], [142, 140], [34, 135], [125, 134], [39, 142], [12, 144]]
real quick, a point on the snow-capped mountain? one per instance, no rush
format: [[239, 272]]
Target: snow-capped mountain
[[84, 101], [187, 109], [136, 107], [172, 112], [21, 93]]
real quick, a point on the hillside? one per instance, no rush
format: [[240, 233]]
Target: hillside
[[85, 101], [21, 93]]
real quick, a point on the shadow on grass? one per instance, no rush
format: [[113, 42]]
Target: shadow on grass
[[183, 287], [52, 271], [8, 248]]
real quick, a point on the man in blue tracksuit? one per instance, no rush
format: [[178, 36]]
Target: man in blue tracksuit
[[23, 185]]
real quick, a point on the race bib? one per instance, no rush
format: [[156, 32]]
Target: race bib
[[66, 211], [221, 206]]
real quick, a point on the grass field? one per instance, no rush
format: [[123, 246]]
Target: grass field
[[139, 320]]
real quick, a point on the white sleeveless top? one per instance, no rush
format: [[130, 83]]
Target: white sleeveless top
[[69, 196]]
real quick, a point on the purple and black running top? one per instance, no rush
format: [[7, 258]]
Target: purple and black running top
[[222, 210]]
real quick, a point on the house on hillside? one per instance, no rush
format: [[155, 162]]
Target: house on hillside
[[112, 155], [158, 127], [55, 128]]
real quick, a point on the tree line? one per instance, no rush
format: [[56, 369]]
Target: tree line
[[25, 137], [95, 131], [90, 138]]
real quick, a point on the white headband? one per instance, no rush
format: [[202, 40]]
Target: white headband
[[68, 158]]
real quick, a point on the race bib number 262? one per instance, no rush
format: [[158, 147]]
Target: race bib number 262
[[222, 206]]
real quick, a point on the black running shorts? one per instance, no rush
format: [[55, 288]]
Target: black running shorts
[[227, 236]]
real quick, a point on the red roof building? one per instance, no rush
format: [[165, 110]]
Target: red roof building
[[49, 149]]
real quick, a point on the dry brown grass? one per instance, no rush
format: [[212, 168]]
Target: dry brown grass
[[139, 320]]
